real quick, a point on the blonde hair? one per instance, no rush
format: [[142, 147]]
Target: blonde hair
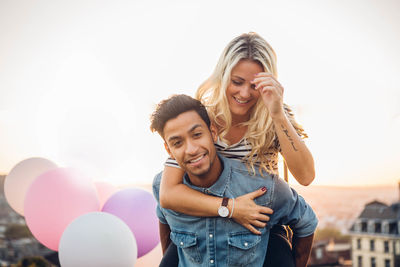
[[260, 132]]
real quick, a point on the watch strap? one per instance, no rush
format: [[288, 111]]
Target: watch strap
[[225, 202]]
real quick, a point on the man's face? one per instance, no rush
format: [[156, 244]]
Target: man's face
[[191, 143]]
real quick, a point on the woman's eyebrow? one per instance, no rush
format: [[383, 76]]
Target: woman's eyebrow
[[238, 77]]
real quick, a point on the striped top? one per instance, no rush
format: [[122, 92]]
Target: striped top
[[239, 151]]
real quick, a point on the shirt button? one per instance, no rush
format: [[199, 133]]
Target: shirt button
[[246, 244], [211, 236], [211, 261], [181, 243]]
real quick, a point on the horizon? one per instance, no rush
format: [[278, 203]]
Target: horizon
[[296, 186]]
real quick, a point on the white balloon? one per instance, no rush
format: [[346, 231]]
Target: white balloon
[[97, 239], [21, 177]]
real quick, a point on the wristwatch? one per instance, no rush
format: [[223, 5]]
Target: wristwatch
[[223, 210]]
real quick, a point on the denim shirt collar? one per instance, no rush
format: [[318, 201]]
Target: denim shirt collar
[[218, 188]]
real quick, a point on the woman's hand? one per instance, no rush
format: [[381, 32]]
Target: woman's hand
[[271, 92], [249, 214], [297, 156]]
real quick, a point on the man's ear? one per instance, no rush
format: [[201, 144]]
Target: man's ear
[[214, 132], [168, 151]]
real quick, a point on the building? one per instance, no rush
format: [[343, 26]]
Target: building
[[13, 250], [330, 253], [375, 238]]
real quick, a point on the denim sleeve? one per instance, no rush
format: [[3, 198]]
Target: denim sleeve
[[156, 193], [291, 209]]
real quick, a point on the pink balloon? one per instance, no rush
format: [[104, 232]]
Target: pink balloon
[[54, 200], [137, 208], [104, 191]]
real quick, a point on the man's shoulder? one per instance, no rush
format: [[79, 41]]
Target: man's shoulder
[[157, 179], [156, 185], [285, 195], [243, 180], [242, 169]]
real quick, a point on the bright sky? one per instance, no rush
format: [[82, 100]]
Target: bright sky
[[79, 79]]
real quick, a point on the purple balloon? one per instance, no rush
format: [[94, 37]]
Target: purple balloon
[[137, 208]]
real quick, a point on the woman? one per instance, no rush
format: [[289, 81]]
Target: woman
[[245, 102]]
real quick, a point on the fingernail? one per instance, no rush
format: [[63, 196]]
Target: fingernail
[[263, 189]]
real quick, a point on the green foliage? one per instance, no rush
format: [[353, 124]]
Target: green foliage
[[17, 231], [33, 261], [330, 232]]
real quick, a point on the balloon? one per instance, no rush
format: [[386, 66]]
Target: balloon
[[104, 191], [54, 200], [137, 208], [97, 239], [20, 178]]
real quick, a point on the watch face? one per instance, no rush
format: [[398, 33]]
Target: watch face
[[223, 211]]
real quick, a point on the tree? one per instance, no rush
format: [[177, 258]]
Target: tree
[[33, 261], [330, 232], [17, 231]]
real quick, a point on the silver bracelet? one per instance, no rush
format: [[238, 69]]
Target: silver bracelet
[[233, 207]]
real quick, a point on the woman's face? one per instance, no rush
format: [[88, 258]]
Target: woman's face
[[240, 92]]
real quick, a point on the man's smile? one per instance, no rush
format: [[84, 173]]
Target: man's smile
[[196, 159]]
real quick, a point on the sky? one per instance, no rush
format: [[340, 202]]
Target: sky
[[79, 79]]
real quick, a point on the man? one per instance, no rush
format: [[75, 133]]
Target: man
[[184, 125]]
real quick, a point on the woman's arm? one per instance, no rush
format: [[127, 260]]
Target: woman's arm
[[298, 158], [179, 197]]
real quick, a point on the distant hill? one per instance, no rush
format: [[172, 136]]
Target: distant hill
[[384, 193], [343, 197], [339, 206]]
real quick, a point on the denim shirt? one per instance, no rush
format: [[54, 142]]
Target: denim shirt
[[217, 241]]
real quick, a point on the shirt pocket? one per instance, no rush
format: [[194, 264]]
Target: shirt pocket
[[242, 247], [188, 243]]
